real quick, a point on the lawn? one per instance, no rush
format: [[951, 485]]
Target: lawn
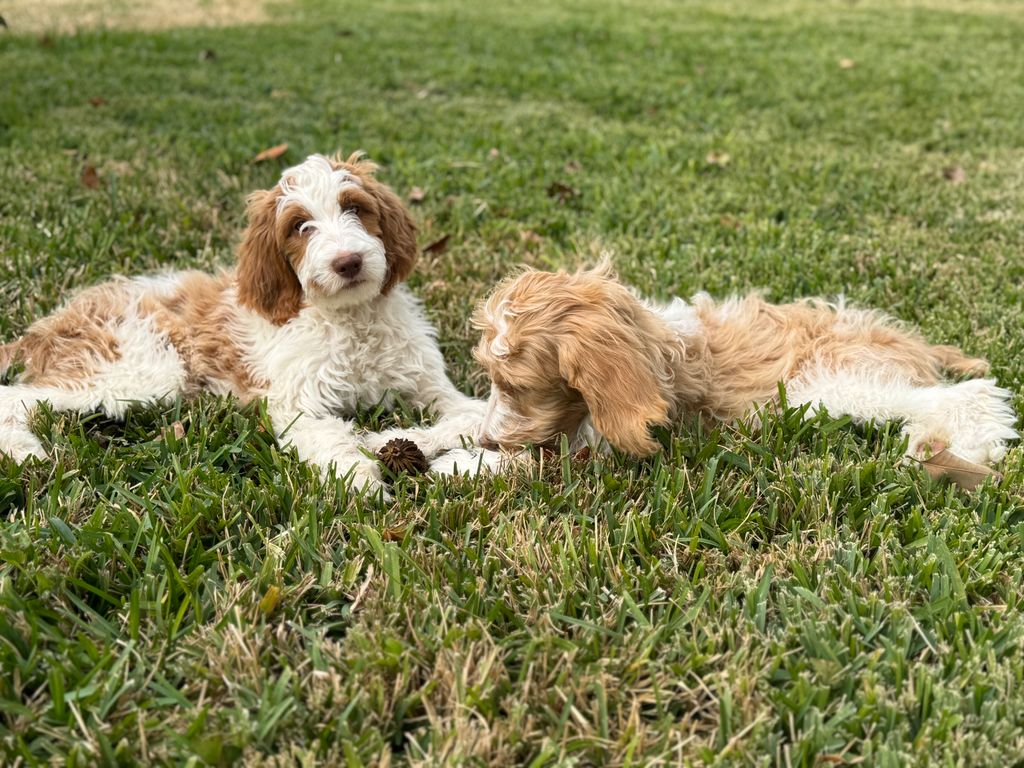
[[177, 589]]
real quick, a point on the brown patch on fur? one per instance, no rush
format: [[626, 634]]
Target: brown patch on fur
[[584, 342], [752, 345], [953, 360], [8, 354], [265, 274], [74, 341], [383, 215], [196, 318]]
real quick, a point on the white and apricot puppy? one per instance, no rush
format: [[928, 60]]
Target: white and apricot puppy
[[313, 317], [583, 355]]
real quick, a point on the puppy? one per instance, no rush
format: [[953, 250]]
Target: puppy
[[583, 355], [314, 318]]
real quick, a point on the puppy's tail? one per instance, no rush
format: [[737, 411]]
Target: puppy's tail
[[953, 360], [8, 354]]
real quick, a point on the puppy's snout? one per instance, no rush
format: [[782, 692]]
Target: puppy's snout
[[347, 264]]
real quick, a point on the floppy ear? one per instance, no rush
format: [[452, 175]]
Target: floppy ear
[[608, 365], [266, 281], [398, 232]]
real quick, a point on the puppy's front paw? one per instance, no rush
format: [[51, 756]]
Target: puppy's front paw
[[468, 462], [361, 475], [20, 445]]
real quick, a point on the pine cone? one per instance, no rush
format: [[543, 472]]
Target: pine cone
[[403, 457]]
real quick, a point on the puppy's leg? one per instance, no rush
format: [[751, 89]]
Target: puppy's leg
[[146, 370], [460, 417], [16, 405], [973, 419], [326, 441]]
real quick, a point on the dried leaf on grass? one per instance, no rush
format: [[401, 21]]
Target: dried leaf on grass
[[717, 158], [89, 176], [561, 192], [954, 174], [416, 195], [98, 101], [966, 474], [847, 64], [271, 154], [438, 247]]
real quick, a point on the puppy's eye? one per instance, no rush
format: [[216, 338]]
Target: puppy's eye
[[297, 227]]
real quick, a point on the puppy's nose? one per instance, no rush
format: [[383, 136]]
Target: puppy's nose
[[486, 441], [347, 264]]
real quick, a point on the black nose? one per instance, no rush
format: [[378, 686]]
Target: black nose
[[347, 264]]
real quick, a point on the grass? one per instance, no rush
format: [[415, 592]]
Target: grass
[[179, 590]]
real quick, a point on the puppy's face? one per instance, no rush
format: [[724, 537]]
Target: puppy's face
[[328, 234], [561, 347]]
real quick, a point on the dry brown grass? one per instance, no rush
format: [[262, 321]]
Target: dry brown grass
[[68, 16]]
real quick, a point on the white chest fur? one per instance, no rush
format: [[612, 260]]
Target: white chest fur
[[331, 363]]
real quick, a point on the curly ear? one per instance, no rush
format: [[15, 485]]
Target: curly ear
[[608, 362], [266, 281]]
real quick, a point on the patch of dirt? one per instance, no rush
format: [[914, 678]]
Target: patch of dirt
[[68, 16]]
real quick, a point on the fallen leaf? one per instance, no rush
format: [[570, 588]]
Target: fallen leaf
[[89, 176], [271, 154], [717, 158], [98, 101], [416, 195], [846, 64], [572, 166], [270, 600], [179, 430], [561, 192], [954, 174], [397, 533], [207, 54], [966, 474], [438, 247], [495, 152]]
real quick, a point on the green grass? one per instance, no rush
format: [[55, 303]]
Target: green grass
[[794, 595]]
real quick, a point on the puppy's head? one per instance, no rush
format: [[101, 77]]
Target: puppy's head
[[559, 347], [327, 234]]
